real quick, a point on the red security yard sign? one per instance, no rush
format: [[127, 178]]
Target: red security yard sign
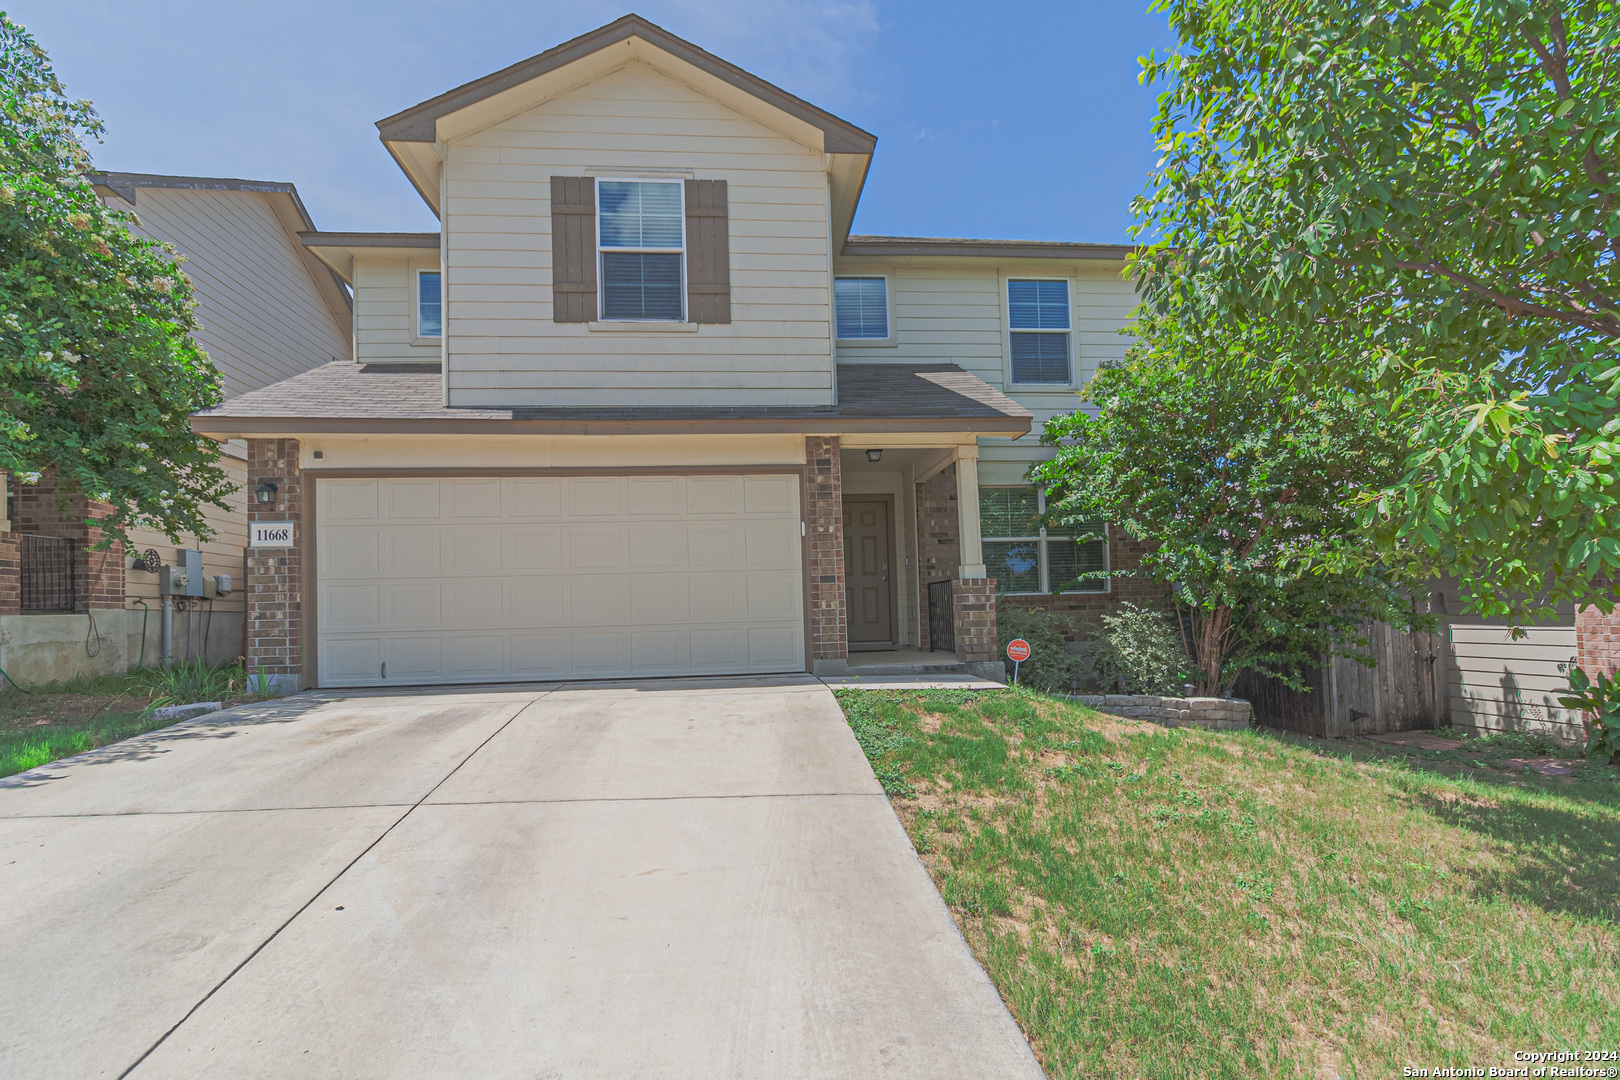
[[1017, 652]]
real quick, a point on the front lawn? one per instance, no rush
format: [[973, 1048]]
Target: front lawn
[[1177, 903], [55, 721]]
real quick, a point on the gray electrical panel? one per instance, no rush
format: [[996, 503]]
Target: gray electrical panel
[[189, 563]]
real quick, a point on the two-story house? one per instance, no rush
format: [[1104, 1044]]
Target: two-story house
[[267, 309], [643, 406]]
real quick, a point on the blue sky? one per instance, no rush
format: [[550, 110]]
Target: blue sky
[[1011, 121]]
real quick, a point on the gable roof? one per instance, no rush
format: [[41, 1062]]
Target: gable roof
[[356, 398], [953, 247], [411, 135], [284, 200]]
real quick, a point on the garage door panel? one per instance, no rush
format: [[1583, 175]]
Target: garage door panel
[[653, 496], [348, 500], [533, 549], [714, 495], [473, 498], [475, 579], [473, 552], [595, 497], [411, 500], [592, 547], [659, 599], [411, 551], [347, 552], [351, 607], [534, 498]]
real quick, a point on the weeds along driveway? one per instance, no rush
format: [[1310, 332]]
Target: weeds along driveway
[[660, 879]]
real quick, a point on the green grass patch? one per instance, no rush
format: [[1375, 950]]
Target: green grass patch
[[59, 720], [1178, 903]]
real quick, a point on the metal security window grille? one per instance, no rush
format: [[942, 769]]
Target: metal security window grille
[[862, 305], [49, 581], [941, 617], [1038, 321], [1024, 558], [641, 241], [429, 304]]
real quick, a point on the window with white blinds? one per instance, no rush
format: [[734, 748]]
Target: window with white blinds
[[862, 308], [1038, 323], [429, 304], [641, 239], [1023, 557]]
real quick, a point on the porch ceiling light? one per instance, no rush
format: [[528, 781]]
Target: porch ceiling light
[[874, 456], [266, 491]]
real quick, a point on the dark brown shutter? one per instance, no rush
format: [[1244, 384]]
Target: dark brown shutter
[[708, 253], [573, 249]]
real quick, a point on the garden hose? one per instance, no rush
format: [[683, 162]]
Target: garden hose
[[12, 681]]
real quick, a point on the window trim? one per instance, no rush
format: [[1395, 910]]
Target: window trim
[[1042, 539], [1006, 306], [601, 276], [417, 305], [888, 339]]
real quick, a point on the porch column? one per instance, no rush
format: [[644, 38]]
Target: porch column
[[1597, 641], [973, 592], [824, 529], [970, 551]]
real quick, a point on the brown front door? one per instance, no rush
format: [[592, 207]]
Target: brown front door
[[868, 577]]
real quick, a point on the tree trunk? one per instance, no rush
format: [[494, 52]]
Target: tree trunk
[[1209, 635]]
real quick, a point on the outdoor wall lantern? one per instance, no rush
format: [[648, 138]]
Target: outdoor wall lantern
[[266, 491], [874, 456]]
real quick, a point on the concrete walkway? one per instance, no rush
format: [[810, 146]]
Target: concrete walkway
[[665, 879]]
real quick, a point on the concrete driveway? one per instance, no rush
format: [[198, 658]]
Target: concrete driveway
[[696, 879]]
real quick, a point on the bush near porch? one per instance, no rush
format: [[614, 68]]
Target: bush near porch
[[1157, 902]]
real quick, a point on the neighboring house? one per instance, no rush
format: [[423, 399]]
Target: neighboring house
[[268, 309], [642, 406]]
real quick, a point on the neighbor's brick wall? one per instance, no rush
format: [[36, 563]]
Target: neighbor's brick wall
[[98, 575], [975, 602], [938, 554], [275, 607], [1597, 638], [824, 522]]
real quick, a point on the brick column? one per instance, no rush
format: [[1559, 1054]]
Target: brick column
[[1597, 641], [824, 523], [10, 573], [975, 603], [275, 608], [44, 510]]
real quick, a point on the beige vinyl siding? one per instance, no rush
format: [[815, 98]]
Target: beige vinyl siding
[[957, 316], [1501, 684], [504, 348], [263, 320], [221, 555], [385, 310]]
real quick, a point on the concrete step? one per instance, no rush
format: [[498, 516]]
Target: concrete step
[[908, 669]]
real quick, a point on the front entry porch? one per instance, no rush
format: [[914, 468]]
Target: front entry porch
[[898, 525]]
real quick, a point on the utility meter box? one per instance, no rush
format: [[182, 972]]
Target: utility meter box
[[189, 562], [222, 585], [172, 581]]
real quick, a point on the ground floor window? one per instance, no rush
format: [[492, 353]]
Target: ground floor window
[[1024, 557]]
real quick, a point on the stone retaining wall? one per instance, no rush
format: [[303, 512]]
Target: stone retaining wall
[[1217, 714]]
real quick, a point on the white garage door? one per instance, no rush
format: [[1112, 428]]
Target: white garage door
[[483, 579]]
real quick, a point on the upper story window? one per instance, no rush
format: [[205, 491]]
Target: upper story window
[[641, 241], [861, 305], [1038, 321], [1025, 558], [429, 304]]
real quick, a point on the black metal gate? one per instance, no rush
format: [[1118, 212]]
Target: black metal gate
[[941, 617], [49, 568]]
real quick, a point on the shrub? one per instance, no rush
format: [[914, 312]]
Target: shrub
[[1140, 651], [1051, 665]]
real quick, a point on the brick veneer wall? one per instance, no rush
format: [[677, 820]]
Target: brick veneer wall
[[975, 616], [824, 523], [939, 556], [41, 510], [1597, 638], [275, 601]]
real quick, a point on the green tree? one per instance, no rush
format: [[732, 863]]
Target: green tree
[[98, 371], [1424, 198], [1246, 496]]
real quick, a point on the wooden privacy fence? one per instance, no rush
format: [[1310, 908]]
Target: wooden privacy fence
[[1406, 689]]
